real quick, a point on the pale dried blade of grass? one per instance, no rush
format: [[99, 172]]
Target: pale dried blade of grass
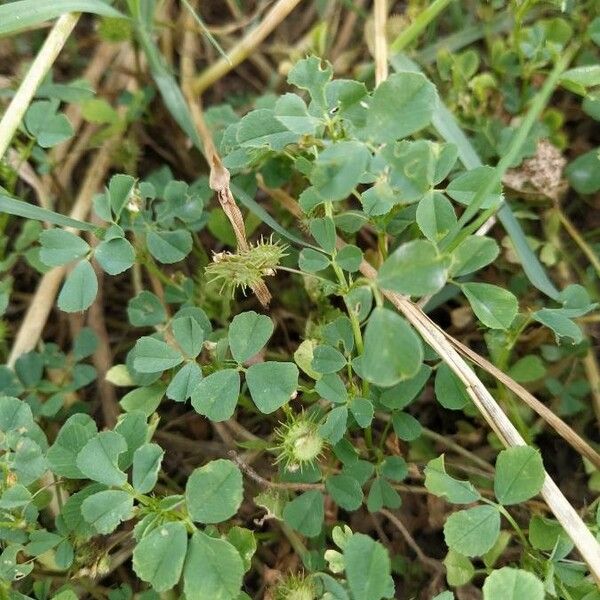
[[528, 398], [37, 71], [27, 173], [381, 51], [584, 541]]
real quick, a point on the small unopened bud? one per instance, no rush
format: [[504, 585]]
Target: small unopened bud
[[134, 203]]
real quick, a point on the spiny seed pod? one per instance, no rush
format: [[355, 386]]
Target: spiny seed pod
[[298, 442], [296, 587], [246, 268]]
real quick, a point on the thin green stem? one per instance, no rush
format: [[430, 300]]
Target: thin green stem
[[207, 33], [384, 433], [452, 445], [25, 153], [510, 519], [58, 491], [382, 245], [358, 339], [344, 285], [304, 274], [295, 541], [415, 29], [514, 525]]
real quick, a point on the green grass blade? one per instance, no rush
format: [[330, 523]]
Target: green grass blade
[[449, 129], [410, 33], [167, 85], [19, 208], [466, 36], [209, 36], [23, 14], [531, 265]]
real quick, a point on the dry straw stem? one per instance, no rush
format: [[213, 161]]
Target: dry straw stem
[[432, 565], [27, 173], [103, 57], [590, 364], [579, 240], [101, 60], [490, 410], [381, 57], [347, 30], [37, 71], [541, 409], [102, 357], [281, 9]]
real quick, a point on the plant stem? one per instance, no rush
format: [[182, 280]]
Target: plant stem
[[449, 443], [578, 239], [39, 68], [295, 541], [418, 25], [298, 272], [513, 523], [358, 340]]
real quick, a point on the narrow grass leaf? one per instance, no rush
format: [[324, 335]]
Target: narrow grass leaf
[[19, 208], [16, 16]]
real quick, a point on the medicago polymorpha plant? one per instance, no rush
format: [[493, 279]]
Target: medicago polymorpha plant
[[275, 396]]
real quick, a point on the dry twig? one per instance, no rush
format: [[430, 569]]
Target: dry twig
[[252, 474], [381, 51], [429, 563]]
